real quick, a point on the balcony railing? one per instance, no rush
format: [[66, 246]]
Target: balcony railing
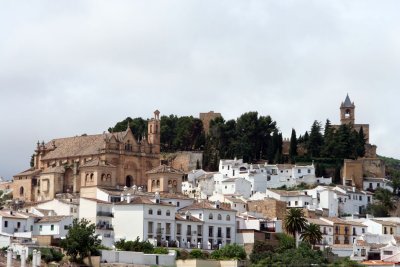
[[105, 226], [105, 214]]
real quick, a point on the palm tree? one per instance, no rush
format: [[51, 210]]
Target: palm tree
[[312, 234], [294, 222]]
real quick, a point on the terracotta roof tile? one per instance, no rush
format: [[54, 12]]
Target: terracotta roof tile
[[48, 219]]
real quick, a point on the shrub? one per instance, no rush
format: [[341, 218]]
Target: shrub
[[232, 251], [196, 254], [183, 255], [160, 250]]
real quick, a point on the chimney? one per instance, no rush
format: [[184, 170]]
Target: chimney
[[128, 198]]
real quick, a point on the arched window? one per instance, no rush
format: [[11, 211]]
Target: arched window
[[158, 212], [87, 177], [103, 177], [158, 182], [219, 217], [108, 177], [150, 212], [228, 218], [168, 213], [210, 217], [153, 182], [91, 176], [21, 191]]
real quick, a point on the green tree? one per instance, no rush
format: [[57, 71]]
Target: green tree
[[294, 221], [293, 146], [329, 140], [385, 198], [316, 140], [361, 143], [81, 240], [311, 234]]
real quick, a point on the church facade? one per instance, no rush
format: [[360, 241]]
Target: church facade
[[66, 165]]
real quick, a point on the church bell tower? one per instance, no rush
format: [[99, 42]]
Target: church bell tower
[[347, 111]]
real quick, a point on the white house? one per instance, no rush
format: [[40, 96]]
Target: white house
[[294, 199], [219, 226], [325, 198], [355, 201], [148, 219], [371, 184], [56, 226], [61, 207], [100, 213], [238, 186], [12, 222]]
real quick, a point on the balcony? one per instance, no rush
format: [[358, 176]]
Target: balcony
[[105, 214], [104, 227]]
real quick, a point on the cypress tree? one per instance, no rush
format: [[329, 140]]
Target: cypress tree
[[293, 146]]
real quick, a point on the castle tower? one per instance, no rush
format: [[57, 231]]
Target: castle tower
[[347, 111], [153, 132]]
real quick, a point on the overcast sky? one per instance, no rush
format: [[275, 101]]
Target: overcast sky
[[73, 67]]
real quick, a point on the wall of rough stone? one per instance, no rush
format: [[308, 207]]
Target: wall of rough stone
[[269, 207]]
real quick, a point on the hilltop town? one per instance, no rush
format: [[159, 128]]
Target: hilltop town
[[132, 186]]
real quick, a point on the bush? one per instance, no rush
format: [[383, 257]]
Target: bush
[[137, 245], [182, 255], [228, 252], [160, 250], [50, 254], [196, 254]]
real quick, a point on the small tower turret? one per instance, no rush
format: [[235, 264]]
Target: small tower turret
[[153, 132]]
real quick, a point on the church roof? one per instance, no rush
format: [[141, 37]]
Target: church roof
[[30, 171], [84, 145], [347, 103], [164, 169]]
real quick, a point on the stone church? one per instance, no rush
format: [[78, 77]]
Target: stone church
[[66, 165]]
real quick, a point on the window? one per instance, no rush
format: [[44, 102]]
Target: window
[[228, 218], [387, 252], [309, 171], [40, 227], [210, 231], [219, 217], [360, 198], [5, 224], [149, 227], [200, 216], [150, 212], [177, 204], [18, 224], [66, 227], [296, 202], [159, 212], [378, 185], [298, 171], [363, 230], [168, 213], [210, 217], [52, 227]]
